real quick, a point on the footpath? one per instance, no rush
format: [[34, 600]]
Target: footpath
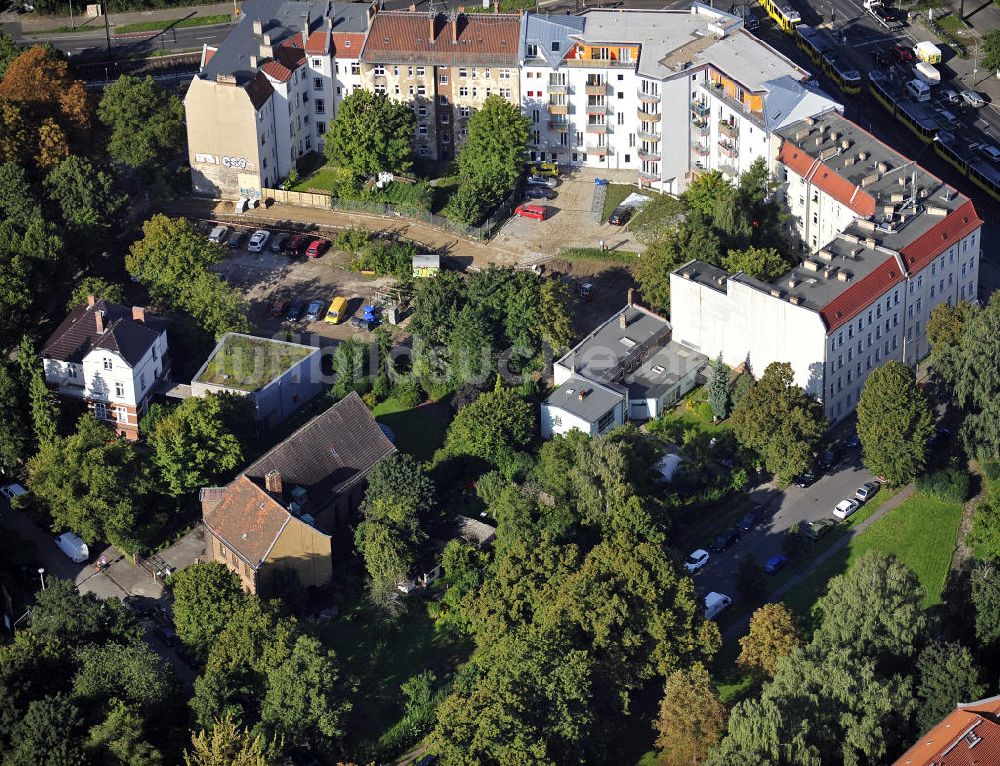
[[741, 625], [33, 22]]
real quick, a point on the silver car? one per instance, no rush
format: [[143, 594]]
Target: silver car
[[972, 98], [543, 181]]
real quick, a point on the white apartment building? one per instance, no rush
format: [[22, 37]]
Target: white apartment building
[[668, 94], [865, 291], [110, 358]]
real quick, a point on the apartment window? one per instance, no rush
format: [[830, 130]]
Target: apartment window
[[422, 130], [579, 137], [506, 93], [463, 91], [119, 389], [142, 375], [380, 88], [621, 118], [486, 73], [534, 115], [410, 91], [531, 52], [932, 291], [446, 138], [464, 111], [320, 106], [504, 74], [320, 128], [445, 118], [121, 414], [71, 371], [317, 63], [421, 111], [421, 90], [379, 70], [355, 68], [409, 71], [100, 411], [463, 72], [396, 89], [317, 83], [107, 363], [443, 79], [536, 137], [442, 101], [555, 46], [463, 133], [420, 71]]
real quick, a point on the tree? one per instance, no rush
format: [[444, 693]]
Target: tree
[[371, 134], [991, 51], [494, 149], [44, 415], [976, 381], [986, 600], [773, 634], [750, 579], [555, 313], [947, 675], [704, 190], [15, 134], [895, 422], [146, 121], [132, 673], [226, 743], [435, 313], [498, 423], [40, 80], [692, 717], [192, 446], [779, 421], [53, 144], [119, 740], [48, 735], [84, 193], [100, 288], [763, 263], [88, 481], [8, 51], [61, 614], [402, 479], [205, 598], [471, 357], [13, 427], [719, 389], [945, 328], [473, 201]]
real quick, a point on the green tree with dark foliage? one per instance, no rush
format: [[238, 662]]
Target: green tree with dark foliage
[[100, 288], [13, 427], [763, 263], [120, 739], [50, 734], [779, 421], [986, 600], [692, 718], [895, 422], [62, 614], [718, 389], [371, 134], [497, 424], [205, 598], [146, 122], [991, 51], [947, 675], [976, 380], [945, 329], [8, 51], [85, 195]]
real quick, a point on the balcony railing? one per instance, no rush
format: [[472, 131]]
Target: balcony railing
[[729, 130], [701, 127], [558, 125], [598, 63], [596, 89], [558, 108], [699, 109], [600, 151], [597, 108], [594, 127], [645, 175], [728, 149], [644, 136], [558, 89], [729, 170], [649, 155], [699, 149], [648, 116], [649, 98]]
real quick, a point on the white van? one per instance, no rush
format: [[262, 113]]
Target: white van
[[715, 603], [919, 90], [75, 548]]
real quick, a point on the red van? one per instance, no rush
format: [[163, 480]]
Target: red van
[[537, 212]]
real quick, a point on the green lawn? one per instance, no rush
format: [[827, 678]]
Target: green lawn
[[627, 257], [419, 430], [190, 21], [321, 180], [615, 196], [247, 363], [660, 209]]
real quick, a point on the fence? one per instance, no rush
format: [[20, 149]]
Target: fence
[[484, 232]]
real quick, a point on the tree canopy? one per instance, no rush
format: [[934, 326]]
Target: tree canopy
[[371, 134], [146, 121], [205, 598], [85, 194], [692, 718]]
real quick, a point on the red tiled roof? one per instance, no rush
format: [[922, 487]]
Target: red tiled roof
[[481, 38], [288, 57], [248, 519], [206, 55], [276, 71], [318, 42], [917, 255], [822, 176], [968, 736], [348, 45]]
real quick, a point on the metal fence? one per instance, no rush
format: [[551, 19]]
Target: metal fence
[[483, 232]]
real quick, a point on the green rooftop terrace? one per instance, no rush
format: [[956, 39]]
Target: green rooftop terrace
[[246, 363]]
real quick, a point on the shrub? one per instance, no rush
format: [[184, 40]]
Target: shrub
[[991, 468], [386, 259], [407, 392], [412, 195], [948, 484], [352, 240], [794, 544]]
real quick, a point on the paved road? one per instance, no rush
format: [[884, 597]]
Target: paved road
[[790, 507], [94, 42]]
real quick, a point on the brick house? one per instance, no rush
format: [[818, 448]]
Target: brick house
[[968, 736]]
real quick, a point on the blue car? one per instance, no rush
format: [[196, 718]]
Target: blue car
[[775, 564]]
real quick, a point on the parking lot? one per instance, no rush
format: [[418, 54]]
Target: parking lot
[[572, 221]]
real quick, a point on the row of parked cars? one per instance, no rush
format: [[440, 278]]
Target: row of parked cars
[[286, 243], [333, 312]]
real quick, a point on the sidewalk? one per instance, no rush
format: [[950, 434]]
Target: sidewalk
[[31, 23], [740, 627]]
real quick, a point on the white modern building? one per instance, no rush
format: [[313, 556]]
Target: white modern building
[[110, 358], [887, 243], [668, 94], [628, 369]]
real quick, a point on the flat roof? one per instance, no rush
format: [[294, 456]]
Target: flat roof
[[248, 363], [663, 370], [584, 398], [601, 354]]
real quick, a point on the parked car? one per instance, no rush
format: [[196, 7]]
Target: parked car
[[298, 244], [219, 234], [775, 564], [753, 517], [951, 96], [279, 241], [317, 247], [294, 313], [852, 441], [279, 306], [990, 152], [696, 560], [828, 459], [236, 239], [11, 491], [315, 310], [902, 54], [539, 192], [725, 540], [535, 212], [549, 169], [620, 216], [337, 312], [543, 181], [257, 241], [973, 98], [74, 547], [867, 491], [715, 603], [804, 479], [845, 508], [816, 529]]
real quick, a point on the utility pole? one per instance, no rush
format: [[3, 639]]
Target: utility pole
[[71, 24], [107, 26]]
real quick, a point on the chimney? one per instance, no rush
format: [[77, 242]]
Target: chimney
[[139, 314], [253, 62], [630, 296], [99, 320], [91, 300], [258, 27], [583, 394], [431, 18], [623, 320], [454, 29], [272, 482]]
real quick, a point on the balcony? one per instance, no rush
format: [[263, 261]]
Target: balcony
[[729, 170], [558, 108], [598, 128], [644, 136], [728, 149], [729, 130], [700, 149], [599, 63], [558, 125], [649, 98], [648, 116], [598, 151], [649, 155], [558, 89], [596, 89], [645, 175], [597, 108], [701, 127], [699, 109]]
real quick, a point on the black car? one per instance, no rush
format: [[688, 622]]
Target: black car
[[727, 539], [804, 479], [753, 517], [294, 313], [236, 239], [538, 192], [167, 636], [852, 441], [620, 216], [279, 240], [830, 458]]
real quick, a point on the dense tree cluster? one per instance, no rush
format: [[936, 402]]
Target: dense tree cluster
[[371, 134]]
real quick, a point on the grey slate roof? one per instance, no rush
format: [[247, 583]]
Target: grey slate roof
[[545, 29], [600, 354], [597, 400], [329, 454], [77, 336], [663, 370]]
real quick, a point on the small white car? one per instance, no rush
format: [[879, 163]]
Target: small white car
[[951, 96], [715, 603], [13, 490], [845, 508], [219, 234], [258, 240], [696, 560]]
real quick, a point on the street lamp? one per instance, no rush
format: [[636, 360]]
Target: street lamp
[[41, 576]]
